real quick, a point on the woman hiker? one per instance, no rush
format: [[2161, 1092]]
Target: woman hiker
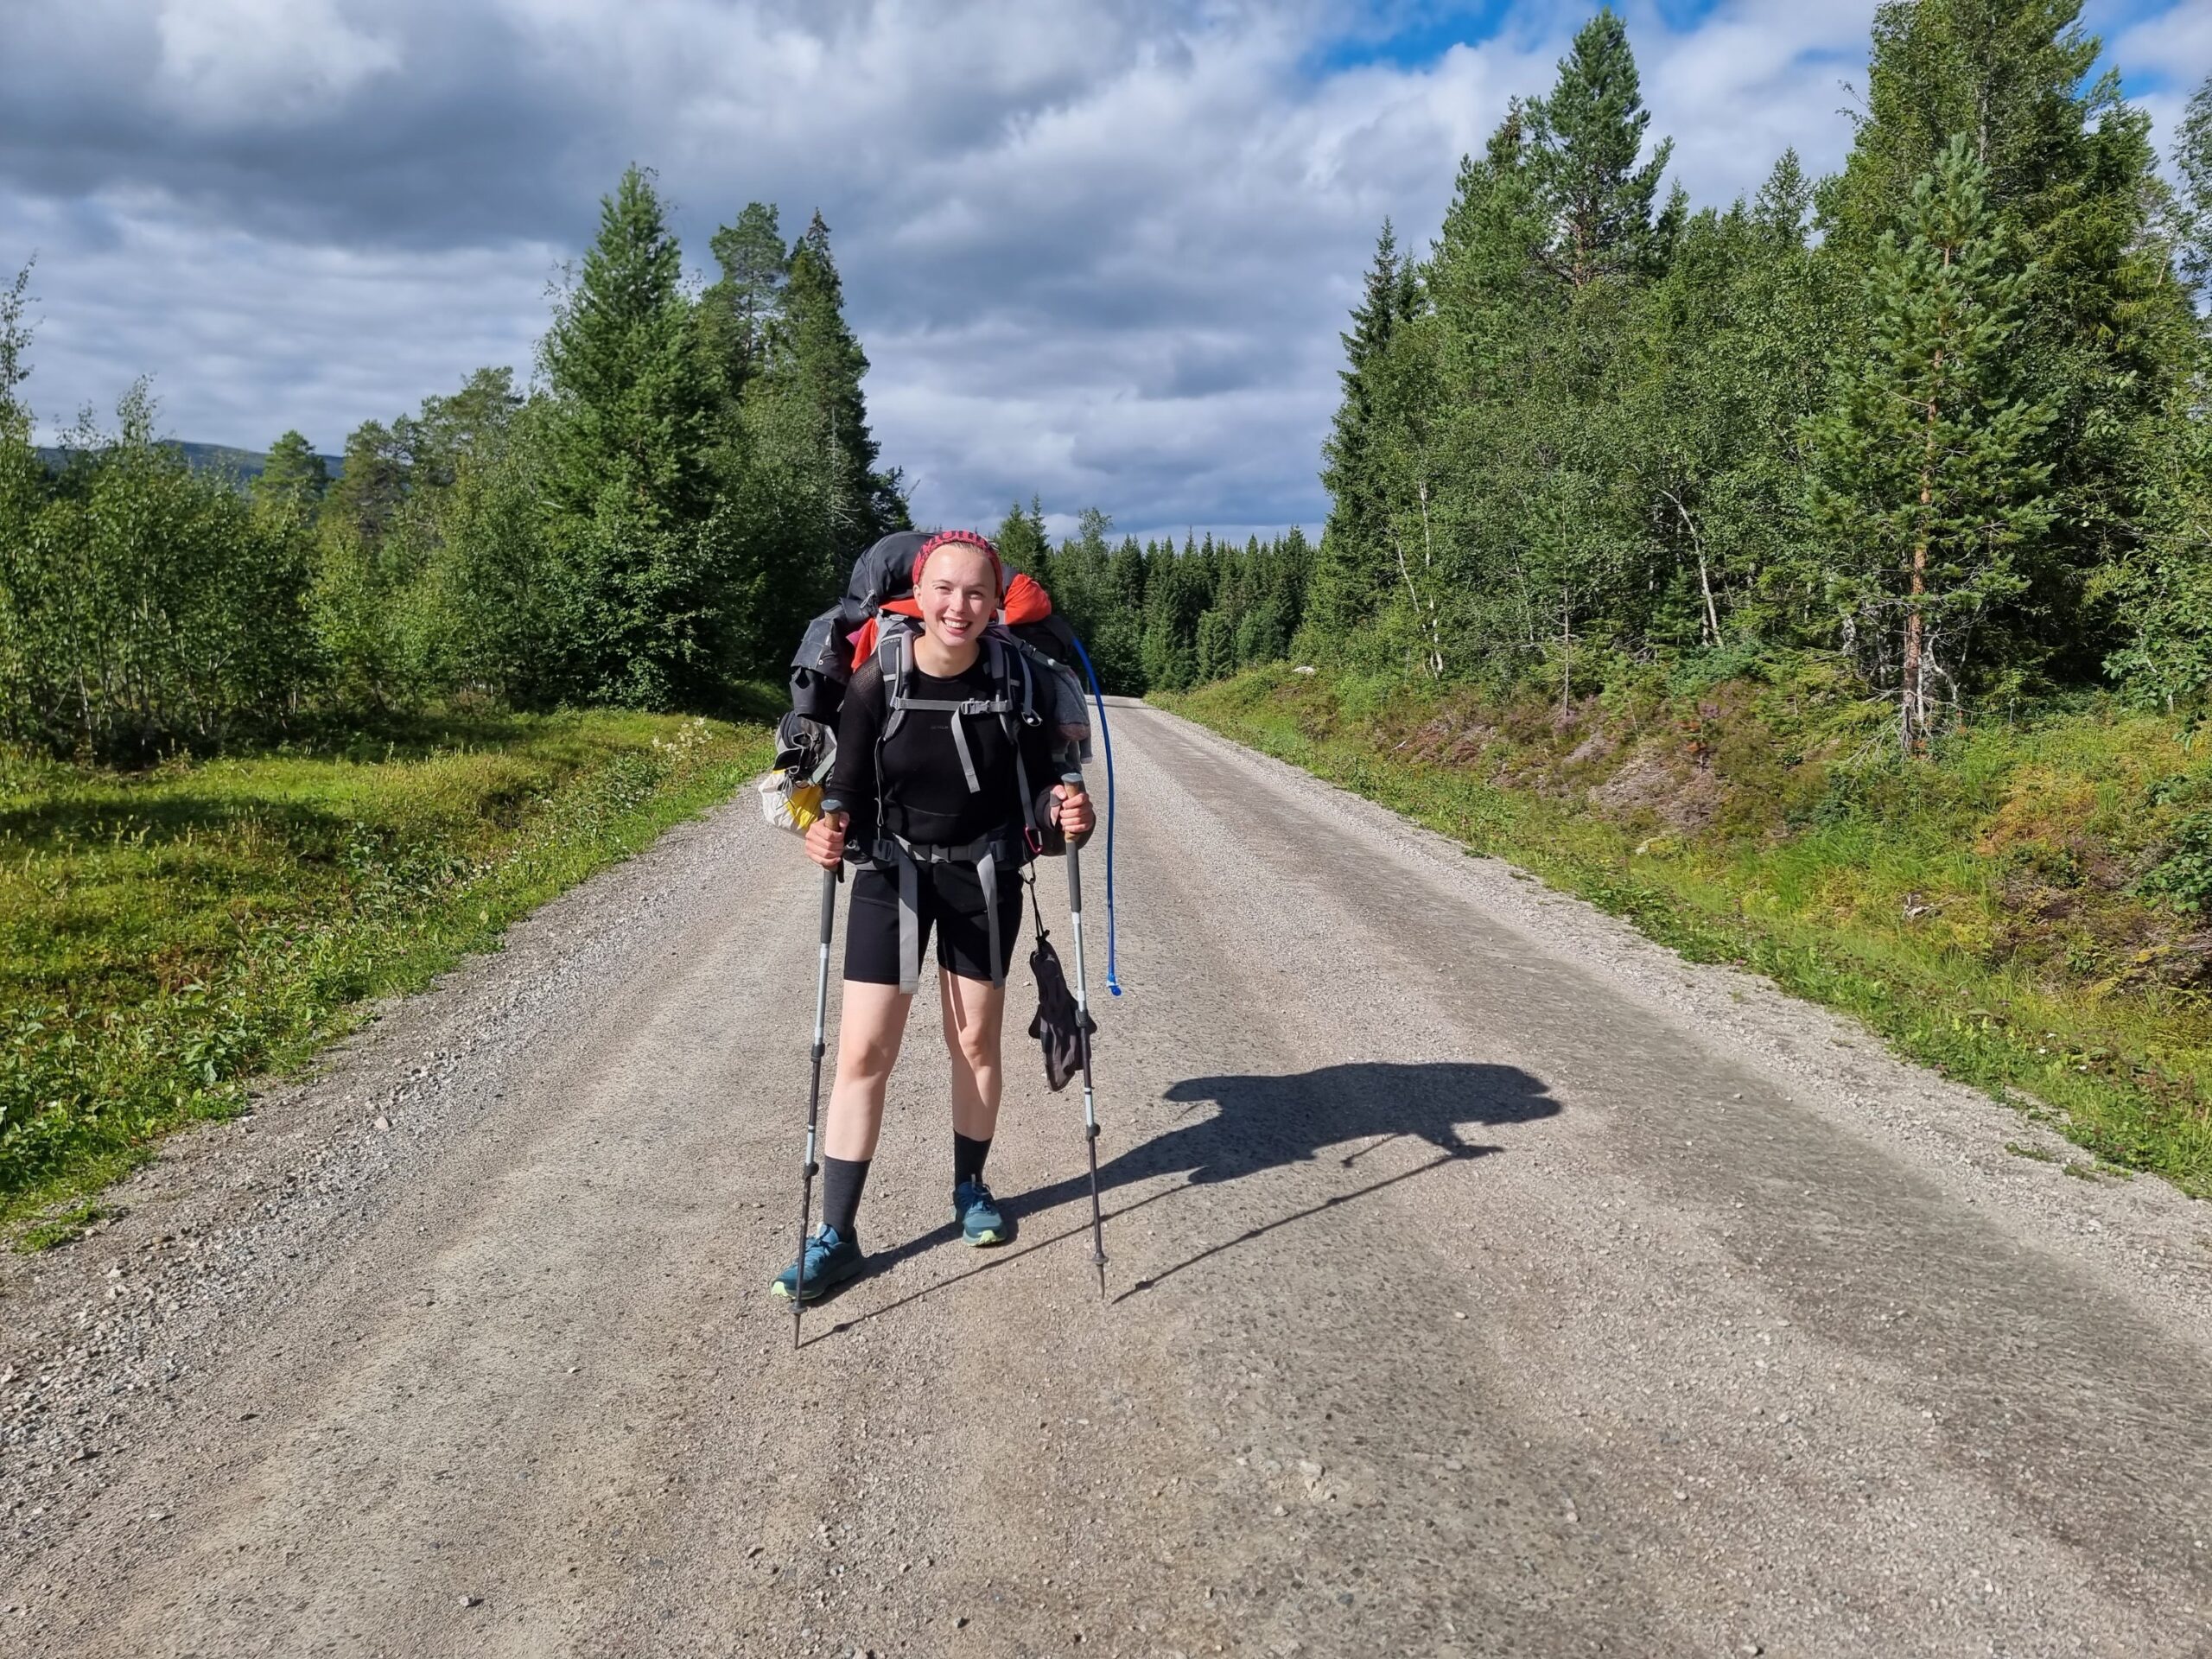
[[936, 791]]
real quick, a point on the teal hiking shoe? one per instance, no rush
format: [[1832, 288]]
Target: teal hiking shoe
[[979, 1215], [831, 1259]]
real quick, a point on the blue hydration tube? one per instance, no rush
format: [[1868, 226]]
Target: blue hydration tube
[[1113, 982]]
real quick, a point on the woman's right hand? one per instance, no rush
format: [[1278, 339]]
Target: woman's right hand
[[825, 839]]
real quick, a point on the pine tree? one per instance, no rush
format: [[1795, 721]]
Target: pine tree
[[740, 313], [293, 479], [1584, 140], [452, 428], [2105, 329], [373, 475], [1927, 469]]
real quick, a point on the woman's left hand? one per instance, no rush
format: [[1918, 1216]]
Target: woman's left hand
[[1071, 811]]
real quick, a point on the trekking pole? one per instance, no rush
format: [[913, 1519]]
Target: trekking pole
[[1074, 780], [829, 880]]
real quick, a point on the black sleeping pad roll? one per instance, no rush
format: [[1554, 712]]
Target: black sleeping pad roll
[[885, 571], [819, 668]]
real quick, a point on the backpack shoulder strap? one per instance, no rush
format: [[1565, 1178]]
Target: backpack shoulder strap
[[894, 659], [1015, 686]]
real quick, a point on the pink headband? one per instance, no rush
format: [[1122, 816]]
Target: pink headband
[[960, 538]]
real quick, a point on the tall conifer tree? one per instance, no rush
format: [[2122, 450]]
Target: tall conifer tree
[[2071, 179], [1926, 470], [629, 464], [1353, 569], [1584, 140], [741, 311], [823, 373]]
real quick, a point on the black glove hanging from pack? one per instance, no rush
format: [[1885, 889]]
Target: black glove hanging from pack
[[1056, 1026]]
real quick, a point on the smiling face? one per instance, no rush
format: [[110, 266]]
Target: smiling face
[[957, 592]]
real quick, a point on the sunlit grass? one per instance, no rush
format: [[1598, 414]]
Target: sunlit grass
[[1987, 912], [167, 935]]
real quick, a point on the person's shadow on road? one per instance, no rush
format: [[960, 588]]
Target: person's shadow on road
[[1265, 1123], [1348, 1111], [1268, 1122]]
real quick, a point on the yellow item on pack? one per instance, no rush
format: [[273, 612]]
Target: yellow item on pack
[[804, 805]]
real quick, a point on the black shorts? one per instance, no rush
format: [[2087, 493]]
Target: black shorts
[[949, 899]]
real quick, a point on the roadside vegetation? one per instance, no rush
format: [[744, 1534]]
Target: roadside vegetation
[[1822, 580], [2025, 910], [167, 935], [272, 748]]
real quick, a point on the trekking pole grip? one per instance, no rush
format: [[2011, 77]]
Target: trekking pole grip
[[1073, 780], [829, 805]]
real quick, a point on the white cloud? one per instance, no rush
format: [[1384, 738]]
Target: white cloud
[[2175, 45], [227, 62], [1098, 251]]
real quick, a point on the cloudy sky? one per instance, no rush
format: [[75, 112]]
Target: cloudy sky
[[1098, 249]]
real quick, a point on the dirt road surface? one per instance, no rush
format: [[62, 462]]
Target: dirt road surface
[[1483, 1280]]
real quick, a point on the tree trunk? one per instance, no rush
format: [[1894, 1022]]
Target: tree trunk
[[1428, 570], [1912, 702], [1704, 577], [1566, 650], [1912, 711]]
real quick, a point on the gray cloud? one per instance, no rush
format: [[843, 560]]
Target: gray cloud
[[1100, 251]]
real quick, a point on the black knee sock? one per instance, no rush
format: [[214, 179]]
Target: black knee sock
[[968, 1155], [842, 1180]]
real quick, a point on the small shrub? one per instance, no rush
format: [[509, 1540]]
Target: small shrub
[[2183, 876]]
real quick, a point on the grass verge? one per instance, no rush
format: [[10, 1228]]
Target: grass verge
[[2024, 913], [167, 936]]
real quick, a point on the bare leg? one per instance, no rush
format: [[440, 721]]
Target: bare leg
[[974, 1009], [869, 1029]]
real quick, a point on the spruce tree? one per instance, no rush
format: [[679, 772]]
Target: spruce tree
[[1927, 471], [2160, 589], [1353, 572], [2192, 156], [823, 376], [2009, 74], [628, 469], [1021, 537]]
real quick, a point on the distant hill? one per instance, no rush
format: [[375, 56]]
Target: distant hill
[[244, 464]]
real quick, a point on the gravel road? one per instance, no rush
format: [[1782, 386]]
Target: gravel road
[[1484, 1280]]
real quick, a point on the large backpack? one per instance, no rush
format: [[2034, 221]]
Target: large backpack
[[1030, 651], [837, 642]]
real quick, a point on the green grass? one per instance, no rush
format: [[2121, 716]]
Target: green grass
[[2023, 912], [167, 936]]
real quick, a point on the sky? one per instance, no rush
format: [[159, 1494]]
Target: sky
[[1097, 251]]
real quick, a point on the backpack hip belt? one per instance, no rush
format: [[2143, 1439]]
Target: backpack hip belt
[[908, 857]]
